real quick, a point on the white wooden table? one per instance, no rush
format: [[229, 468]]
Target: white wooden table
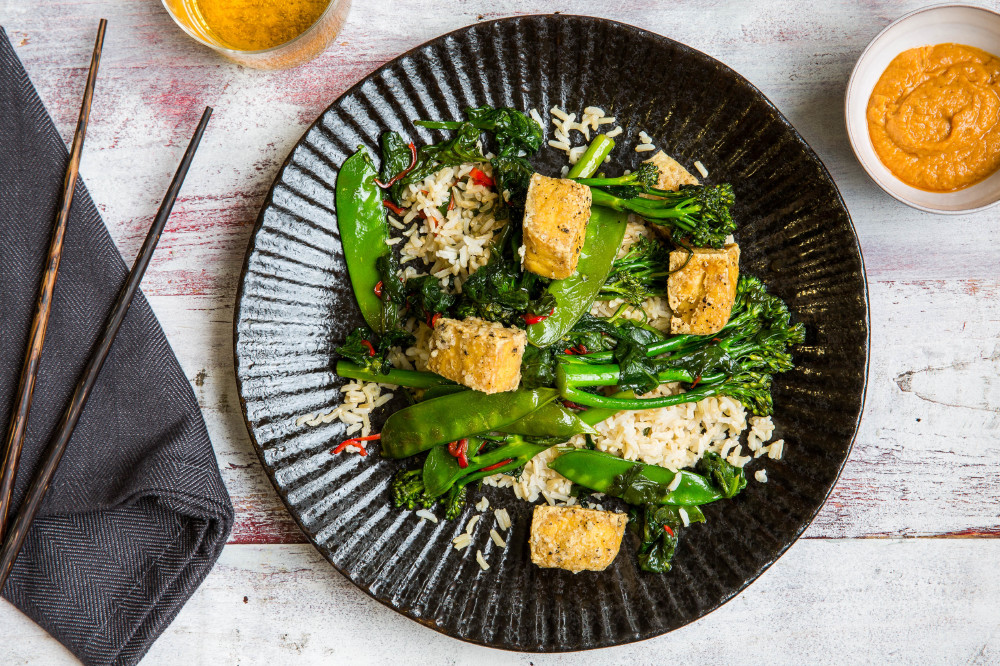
[[900, 565]]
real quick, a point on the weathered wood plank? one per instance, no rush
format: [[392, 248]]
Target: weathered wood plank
[[899, 601]]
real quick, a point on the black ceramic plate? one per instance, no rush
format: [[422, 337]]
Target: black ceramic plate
[[295, 306]]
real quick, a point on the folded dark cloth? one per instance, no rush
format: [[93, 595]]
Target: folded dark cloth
[[137, 514]]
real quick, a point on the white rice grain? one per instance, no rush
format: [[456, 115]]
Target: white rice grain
[[701, 169], [682, 512], [645, 138], [776, 450], [497, 539], [674, 483], [645, 148], [761, 475], [427, 515], [503, 519], [471, 525], [483, 504], [462, 541], [615, 132], [482, 560]]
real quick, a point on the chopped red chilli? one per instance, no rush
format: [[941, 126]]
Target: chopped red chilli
[[378, 288], [480, 178], [451, 202], [666, 528], [371, 348], [460, 450], [497, 465], [357, 442], [401, 174], [530, 319], [434, 319], [697, 380], [393, 207]]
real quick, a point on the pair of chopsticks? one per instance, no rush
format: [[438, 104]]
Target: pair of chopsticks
[[13, 538]]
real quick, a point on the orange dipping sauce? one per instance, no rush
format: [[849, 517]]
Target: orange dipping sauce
[[934, 116]]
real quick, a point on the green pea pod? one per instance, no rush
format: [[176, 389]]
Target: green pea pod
[[549, 420], [448, 418], [363, 230], [441, 470], [574, 295], [598, 470]]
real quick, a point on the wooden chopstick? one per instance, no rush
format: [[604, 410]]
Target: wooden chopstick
[[36, 338], [14, 540]]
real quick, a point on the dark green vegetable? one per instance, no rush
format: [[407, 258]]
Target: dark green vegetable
[[538, 367], [500, 291], [425, 297], [408, 378], [633, 482], [371, 351], [641, 274], [753, 389], [656, 543], [363, 231], [737, 361], [574, 295], [462, 148], [449, 418], [513, 131], [396, 157], [408, 493], [728, 478], [695, 214]]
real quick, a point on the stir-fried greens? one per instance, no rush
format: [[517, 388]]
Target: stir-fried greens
[[577, 369]]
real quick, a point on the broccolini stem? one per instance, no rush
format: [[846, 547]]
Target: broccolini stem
[[410, 378], [593, 157]]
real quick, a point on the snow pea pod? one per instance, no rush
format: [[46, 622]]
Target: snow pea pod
[[605, 232], [599, 471], [451, 417], [549, 420], [363, 230]]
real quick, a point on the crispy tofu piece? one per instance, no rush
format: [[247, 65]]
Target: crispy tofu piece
[[701, 294], [575, 539], [555, 223], [672, 174], [480, 354]]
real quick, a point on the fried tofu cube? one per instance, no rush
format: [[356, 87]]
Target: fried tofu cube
[[555, 223], [575, 539], [672, 174], [480, 354], [701, 289]]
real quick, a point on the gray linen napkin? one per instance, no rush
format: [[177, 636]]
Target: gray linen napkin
[[137, 514]]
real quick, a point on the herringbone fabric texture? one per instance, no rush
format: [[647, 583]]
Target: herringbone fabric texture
[[137, 514]]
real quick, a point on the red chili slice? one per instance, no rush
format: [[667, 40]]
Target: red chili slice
[[356, 441], [497, 465], [393, 207], [434, 319], [451, 202], [401, 174], [666, 528], [530, 319], [480, 178], [371, 348], [378, 288], [697, 380]]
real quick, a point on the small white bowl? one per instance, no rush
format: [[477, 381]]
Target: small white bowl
[[939, 24]]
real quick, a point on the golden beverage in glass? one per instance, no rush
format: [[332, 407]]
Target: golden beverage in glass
[[266, 34]]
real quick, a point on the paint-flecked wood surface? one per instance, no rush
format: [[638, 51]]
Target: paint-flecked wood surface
[[926, 463]]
